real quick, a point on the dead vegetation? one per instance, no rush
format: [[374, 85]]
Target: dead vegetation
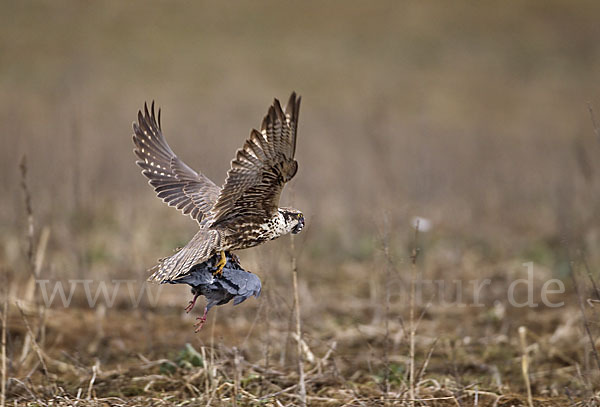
[[148, 355]]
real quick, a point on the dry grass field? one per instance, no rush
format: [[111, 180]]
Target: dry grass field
[[472, 117]]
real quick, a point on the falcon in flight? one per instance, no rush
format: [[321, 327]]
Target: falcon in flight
[[245, 211]]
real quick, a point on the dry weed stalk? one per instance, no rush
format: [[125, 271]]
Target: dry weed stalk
[[301, 379], [236, 375], [92, 380], [590, 276], [413, 277], [35, 260], [267, 331], [525, 363], [36, 266], [36, 347], [423, 367], [388, 269], [288, 339], [30, 246], [4, 317], [594, 123], [29, 211], [581, 303], [35, 256]]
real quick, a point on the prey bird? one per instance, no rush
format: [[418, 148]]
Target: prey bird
[[245, 211], [234, 283]]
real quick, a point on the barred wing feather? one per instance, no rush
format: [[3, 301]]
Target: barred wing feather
[[174, 182], [260, 168]]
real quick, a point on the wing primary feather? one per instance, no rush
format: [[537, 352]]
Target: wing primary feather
[[293, 109], [261, 168], [174, 182], [278, 110]]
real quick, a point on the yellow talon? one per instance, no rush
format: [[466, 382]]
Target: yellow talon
[[222, 262]]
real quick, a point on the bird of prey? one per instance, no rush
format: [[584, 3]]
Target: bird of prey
[[245, 211]]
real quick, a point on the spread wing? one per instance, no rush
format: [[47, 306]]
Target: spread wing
[[198, 250], [260, 168], [174, 182]]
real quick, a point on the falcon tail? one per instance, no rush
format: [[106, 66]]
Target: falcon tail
[[201, 248]]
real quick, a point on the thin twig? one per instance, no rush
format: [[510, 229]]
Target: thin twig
[[594, 123], [34, 261], [236, 375], [413, 277], [583, 314], [386, 342], [590, 275], [92, 380], [4, 317], [19, 382], [29, 210], [301, 380], [277, 393], [423, 368], [288, 339], [267, 330], [41, 251], [525, 363], [36, 347], [211, 370]]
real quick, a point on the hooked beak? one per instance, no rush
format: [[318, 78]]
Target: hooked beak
[[298, 228]]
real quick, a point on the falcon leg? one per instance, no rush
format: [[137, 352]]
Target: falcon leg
[[200, 321], [192, 303], [222, 262]]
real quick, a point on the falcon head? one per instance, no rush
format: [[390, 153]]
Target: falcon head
[[294, 219]]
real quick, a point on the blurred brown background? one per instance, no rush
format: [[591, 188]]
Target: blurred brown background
[[467, 115], [472, 115]]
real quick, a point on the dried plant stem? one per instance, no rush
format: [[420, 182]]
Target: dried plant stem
[[301, 380], [525, 363], [40, 252], [36, 347], [4, 317], [211, 371], [29, 210], [236, 375], [92, 380], [594, 123], [267, 332], [386, 342], [35, 260], [583, 315], [386, 345], [212, 335], [413, 278], [30, 249], [590, 276], [423, 367]]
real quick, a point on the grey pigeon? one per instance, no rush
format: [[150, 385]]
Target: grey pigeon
[[234, 283]]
